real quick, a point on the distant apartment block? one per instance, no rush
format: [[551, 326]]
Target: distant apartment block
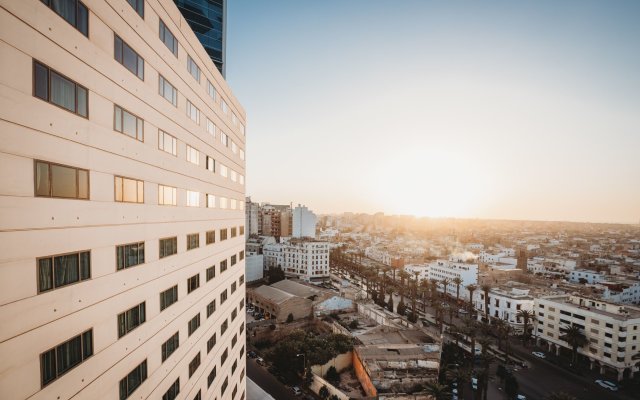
[[122, 217], [304, 222], [306, 259]]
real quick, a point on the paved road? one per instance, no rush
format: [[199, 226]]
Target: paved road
[[268, 382]]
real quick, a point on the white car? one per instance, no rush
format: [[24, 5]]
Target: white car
[[539, 354], [296, 391], [474, 383], [521, 397], [607, 385]]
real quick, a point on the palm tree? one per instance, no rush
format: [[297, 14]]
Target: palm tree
[[527, 317], [560, 396], [471, 330], [445, 284], [498, 328], [458, 282], [460, 375], [438, 391], [486, 289], [424, 289], [433, 288], [574, 336], [471, 288]]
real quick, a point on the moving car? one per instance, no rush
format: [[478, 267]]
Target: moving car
[[296, 391], [474, 383], [260, 361], [607, 385], [521, 397], [252, 354], [539, 354]]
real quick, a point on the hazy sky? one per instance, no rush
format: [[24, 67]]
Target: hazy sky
[[518, 110]]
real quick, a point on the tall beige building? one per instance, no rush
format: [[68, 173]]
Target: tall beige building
[[121, 206]]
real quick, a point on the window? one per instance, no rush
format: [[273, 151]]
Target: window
[[72, 11], [241, 154], [241, 229], [223, 234], [224, 171], [167, 91], [64, 357], [173, 391], [223, 203], [234, 313], [223, 105], [129, 255], [168, 297], [194, 324], [131, 319], [234, 259], [168, 39], [211, 164], [170, 346], [211, 90], [241, 251], [224, 386], [61, 270], [168, 247], [242, 329], [211, 273], [211, 308], [234, 147], [126, 56], [56, 180], [212, 374], [193, 112], [198, 396], [167, 143], [193, 241], [241, 179], [224, 356], [223, 296], [211, 343], [129, 190], [211, 128], [234, 366], [211, 202], [224, 139], [241, 280], [133, 380], [167, 196], [193, 199], [55, 88], [193, 155], [128, 123], [211, 237], [223, 266], [193, 283], [194, 364], [193, 68], [234, 118], [233, 287], [234, 232], [137, 5]]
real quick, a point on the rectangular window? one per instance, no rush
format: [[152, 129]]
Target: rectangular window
[[167, 143], [72, 11], [233, 287], [241, 180], [234, 232], [211, 377], [168, 297], [126, 56], [194, 364], [234, 260], [211, 273], [64, 357], [168, 39], [167, 196], [234, 203], [241, 229], [173, 391], [193, 155], [211, 343], [234, 176], [128, 123], [223, 266], [211, 90], [224, 171], [56, 180], [133, 380], [224, 139], [223, 234], [129, 255], [168, 91], [211, 128], [194, 324], [211, 308], [193, 68], [211, 237], [193, 199], [193, 283], [128, 190], [241, 154], [193, 112], [234, 147], [223, 203], [193, 241], [137, 5], [170, 346], [241, 280], [131, 319], [62, 270], [234, 118], [55, 88], [168, 247], [211, 164], [211, 201], [223, 105], [223, 296]]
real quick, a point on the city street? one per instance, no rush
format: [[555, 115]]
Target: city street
[[268, 382]]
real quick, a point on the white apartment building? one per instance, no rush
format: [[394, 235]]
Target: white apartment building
[[304, 222], [419, 270], [254, 266], [303, 258], [588, 276], [122, 263], [377, 254], [273, 255], [612, 330], [625, 292], [505, 303], [450, 270]]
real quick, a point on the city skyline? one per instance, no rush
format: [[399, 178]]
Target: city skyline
[[466, 110]]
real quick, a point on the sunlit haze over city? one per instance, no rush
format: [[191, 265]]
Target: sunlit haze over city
[[465, 109]]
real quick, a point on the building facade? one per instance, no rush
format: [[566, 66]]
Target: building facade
[[505, 303], [122, 206], [304, 222]]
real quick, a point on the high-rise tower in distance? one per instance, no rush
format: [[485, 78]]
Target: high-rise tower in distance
[[121, 206], [208, 20]]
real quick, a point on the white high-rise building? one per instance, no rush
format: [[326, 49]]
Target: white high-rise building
[[306, 259], [121, 206], [304, 222]]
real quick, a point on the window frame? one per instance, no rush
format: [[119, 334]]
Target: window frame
[[48, 99], [115, 186], [53, 280], [122, 111], [131, 244], [84, 357], [175, 39], [78, 2], [121, 60], [50, 180]]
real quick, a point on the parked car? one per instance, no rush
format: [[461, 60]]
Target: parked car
[[521, 397], [474, 383], [607, 385], [463, 311], [260, 361], [252, 354], [539, 354], [296, 391]]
